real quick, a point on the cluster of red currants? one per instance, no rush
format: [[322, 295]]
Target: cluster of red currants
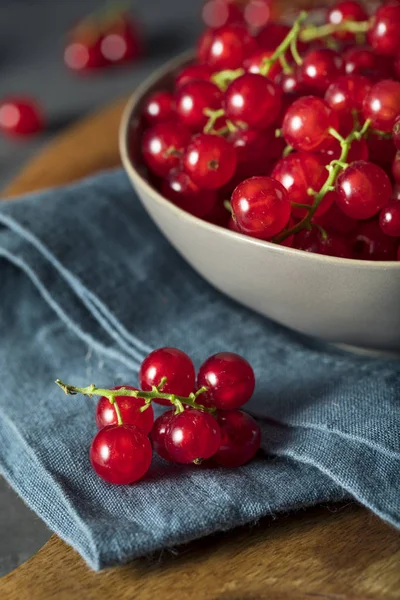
[[288, 134], [101, 41], [203, 423], [255, 13], [97, 42]]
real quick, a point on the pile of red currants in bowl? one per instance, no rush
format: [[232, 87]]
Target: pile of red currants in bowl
[[204, 422], [288, 134]]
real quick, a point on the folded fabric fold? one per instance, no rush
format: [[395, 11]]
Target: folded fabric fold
[[89, 287]]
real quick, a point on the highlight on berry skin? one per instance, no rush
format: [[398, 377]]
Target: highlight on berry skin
[[201, 419], [285, 134]]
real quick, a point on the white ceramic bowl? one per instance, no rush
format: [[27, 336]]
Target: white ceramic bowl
[[342, 301]]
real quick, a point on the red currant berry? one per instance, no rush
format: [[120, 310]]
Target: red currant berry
[[20, 116], [191, 436], [389, 219], [396, 193], [160, 106], [217, 13], [232, 225], [396, 67], [249, 144], [370, 243], [347, 123], [320, 68], [396, 167], [193, 73], [347, 93], [255, 149], [82, 56], [254, 100], [226, 47], [261, 207], [307, 122], [256, 61], [347, 10], [121, 42], [300, 172], [328, 244], [240, 438], [229, 380], [180, 189], [383, 34], [363, 189], [120, 454], [173, 364], [362, 60], [291, 84], [380, 149], [210, 161], [334, 244], [191, 101], [129, 408], [396, 132], [218, 215], [335, 220], [163, 146], [272, 35], [288, 241], [158, 432], [257, 13], [382, 104], [307, 240]]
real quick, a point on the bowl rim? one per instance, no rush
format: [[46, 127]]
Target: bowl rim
[[133, 105]]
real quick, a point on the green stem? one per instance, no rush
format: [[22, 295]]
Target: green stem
[[322, 231], [313, 32], [336, 135], [200, 391], [223, 79], [381, 134], [213, 116], [295, 53], [334, 169], [177, 401], [287, 150], [228, 206], [285, 44], [118, 412], [285, 65], [301, 205], [231, 127]]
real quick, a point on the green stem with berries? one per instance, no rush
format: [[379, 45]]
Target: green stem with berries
[[334, 169], [313, 32], [177, 401], [289, 40]]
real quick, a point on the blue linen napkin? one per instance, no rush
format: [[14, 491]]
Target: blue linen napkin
[[88, 287]]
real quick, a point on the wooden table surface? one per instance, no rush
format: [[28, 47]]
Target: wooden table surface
[[331, 552]]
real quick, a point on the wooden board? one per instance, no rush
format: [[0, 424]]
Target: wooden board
[[331, 553]]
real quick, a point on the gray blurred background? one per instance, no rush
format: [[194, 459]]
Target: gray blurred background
[[32, 37]]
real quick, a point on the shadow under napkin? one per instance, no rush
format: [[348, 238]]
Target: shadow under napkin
[[88, 287]]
